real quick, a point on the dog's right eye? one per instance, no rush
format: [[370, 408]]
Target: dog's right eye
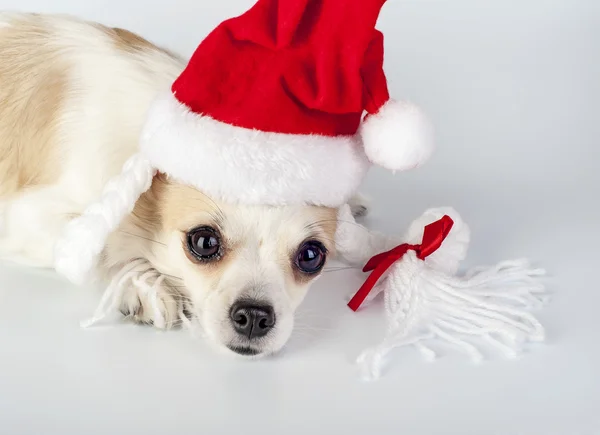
[[311, 256], [204, 243]]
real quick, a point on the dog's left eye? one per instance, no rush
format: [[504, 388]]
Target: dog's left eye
[[204, 243], [311, 257]]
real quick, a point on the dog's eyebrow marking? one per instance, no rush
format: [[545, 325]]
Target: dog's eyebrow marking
[[318, 231], [218, 218], [314, 232], [205, 218], [317, 227]]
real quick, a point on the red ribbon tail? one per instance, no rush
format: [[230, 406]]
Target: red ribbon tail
[[375, 261], [370, 282], [434, 235]]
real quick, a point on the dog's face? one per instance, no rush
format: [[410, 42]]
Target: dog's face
[[245, 269]]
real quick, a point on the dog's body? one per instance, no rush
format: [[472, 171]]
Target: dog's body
[[73, 99]]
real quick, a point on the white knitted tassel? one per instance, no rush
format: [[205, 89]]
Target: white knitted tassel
[[425, 301], [84, 237], [488, 308]]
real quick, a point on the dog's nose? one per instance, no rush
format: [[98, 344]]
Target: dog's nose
[[252, 319]]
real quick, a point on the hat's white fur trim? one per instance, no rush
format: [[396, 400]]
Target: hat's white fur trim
[[248, 166]]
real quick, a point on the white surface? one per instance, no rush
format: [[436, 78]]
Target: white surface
[[512, 89]]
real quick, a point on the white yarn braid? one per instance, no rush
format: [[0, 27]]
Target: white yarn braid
[[84, 237]]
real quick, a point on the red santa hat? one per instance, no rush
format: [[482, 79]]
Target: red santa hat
[[269, 111]]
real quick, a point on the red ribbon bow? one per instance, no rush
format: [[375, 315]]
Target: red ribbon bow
[[433, 236]]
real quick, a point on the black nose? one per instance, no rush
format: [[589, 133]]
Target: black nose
[[252, 319]]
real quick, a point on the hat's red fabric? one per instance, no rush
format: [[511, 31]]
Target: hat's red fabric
[[268, 112], [290, 66]]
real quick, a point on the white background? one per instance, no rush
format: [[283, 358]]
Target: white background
[[512, 87]]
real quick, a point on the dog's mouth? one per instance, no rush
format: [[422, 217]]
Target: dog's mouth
[[245, 350]]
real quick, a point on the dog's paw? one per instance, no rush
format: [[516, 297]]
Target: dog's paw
[[359, 206], [159, 305]]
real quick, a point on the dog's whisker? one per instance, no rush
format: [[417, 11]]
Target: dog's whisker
[[338, 269], [158, 273], [323, 221], [142, 237]]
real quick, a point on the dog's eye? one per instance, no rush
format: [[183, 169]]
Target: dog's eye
[[311, 256], [204, 243]]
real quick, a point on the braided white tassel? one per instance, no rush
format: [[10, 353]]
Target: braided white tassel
[[84, 237], [426, 301], [489, 307]]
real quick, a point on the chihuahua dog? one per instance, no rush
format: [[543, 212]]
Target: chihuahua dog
[[73, 99]]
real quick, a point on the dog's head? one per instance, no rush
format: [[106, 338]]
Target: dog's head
[[243, 269]]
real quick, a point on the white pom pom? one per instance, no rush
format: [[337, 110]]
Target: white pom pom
[[398, 137], [453, 251]]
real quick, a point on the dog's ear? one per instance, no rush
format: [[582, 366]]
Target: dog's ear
[[146, 214], [161, 176]]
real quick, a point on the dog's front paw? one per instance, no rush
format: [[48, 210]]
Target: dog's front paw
[[153, 304]]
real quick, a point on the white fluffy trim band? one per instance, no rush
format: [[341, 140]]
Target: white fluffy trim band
[[248, 166]]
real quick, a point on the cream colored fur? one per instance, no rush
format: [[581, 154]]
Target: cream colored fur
[[73, 99]]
